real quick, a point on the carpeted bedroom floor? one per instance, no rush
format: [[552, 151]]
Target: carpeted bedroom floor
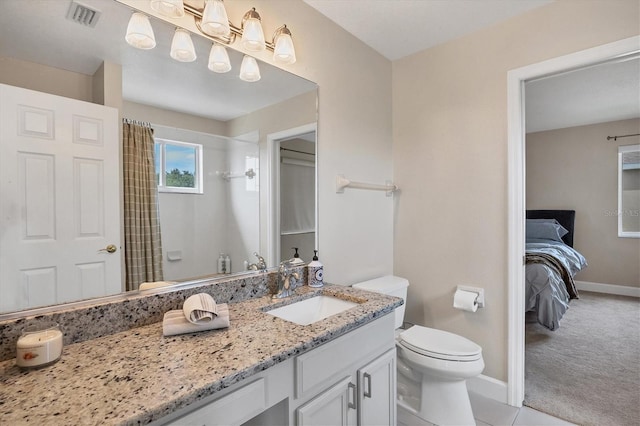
[[588, 370]]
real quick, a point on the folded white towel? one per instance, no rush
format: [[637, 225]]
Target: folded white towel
[[156, 284], [200, 308], [174, 322]]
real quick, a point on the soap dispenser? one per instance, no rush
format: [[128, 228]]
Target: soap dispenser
[[296, 261], [315, 273]]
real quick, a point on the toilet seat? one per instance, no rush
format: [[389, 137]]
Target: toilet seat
[[439, 344]]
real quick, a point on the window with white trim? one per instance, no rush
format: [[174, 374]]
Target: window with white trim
[[178, 166]]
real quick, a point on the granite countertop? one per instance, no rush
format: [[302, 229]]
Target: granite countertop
[[137, 376]]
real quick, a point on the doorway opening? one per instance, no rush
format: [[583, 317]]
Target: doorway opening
[[293, 206], [516, 191]]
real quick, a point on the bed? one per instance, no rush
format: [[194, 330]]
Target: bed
[[551, 263]]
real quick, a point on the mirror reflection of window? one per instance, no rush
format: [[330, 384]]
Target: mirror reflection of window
[[178, 166], [629, 191]]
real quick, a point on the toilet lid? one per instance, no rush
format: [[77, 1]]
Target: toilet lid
[[439, 344]]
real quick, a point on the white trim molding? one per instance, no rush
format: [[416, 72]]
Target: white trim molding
[[516, 191], [488, 387], [620, 290]]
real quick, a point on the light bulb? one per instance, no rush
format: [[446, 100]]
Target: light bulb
[[249, 70], [284, 52], [168, 8], [214, 18], [182, 46], [219, 59], [139, 32], [252, 34]]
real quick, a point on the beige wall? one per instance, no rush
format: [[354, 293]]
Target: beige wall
[[136, 111], [450, 160], [577, 168], [29, 75]]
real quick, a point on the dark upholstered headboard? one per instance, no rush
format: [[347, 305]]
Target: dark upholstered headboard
[[566, 218]]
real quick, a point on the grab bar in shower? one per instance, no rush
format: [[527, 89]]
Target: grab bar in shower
[[342, 183], [227, 176]]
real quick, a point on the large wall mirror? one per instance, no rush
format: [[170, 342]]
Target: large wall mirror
[[228, 121], [629, 191]]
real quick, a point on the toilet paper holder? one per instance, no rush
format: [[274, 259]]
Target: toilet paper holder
[[479, 291]]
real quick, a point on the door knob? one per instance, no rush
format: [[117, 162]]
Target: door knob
[[111, 248]]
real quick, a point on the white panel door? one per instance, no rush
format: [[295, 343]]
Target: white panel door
[[59, 199]]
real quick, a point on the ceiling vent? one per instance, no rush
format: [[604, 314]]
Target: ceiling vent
[[83, 14]]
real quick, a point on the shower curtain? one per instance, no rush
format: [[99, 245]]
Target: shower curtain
[[143, 247]]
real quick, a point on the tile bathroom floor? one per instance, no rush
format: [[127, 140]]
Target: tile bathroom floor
[[489, 412]]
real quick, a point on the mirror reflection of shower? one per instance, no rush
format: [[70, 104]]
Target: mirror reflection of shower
[[298, 196], [221, 217]]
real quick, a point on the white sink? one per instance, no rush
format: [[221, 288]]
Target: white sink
[[310, 310]]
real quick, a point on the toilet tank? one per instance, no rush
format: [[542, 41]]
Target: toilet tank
[[389, 285]]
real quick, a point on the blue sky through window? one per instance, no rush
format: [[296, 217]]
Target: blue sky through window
[[180, 157]]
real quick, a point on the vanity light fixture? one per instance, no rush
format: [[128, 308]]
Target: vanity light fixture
[[168, 8], [139, 32], [219, 59], [213, 23], [182, 46], [252, 34], [249, 70]]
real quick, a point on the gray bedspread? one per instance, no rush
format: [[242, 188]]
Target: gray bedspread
[[550, 269]]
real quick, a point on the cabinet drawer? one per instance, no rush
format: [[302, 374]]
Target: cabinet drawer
[[231, 409], [324, 365]]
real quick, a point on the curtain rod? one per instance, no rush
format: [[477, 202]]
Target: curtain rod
[[615, 138], [299, 152], [138, 122]]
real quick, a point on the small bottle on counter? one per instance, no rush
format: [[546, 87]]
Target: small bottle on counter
[[221, 265], [296, 261], [227, 264], [315, 272]]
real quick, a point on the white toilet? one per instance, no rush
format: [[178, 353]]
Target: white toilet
[[433, 366]]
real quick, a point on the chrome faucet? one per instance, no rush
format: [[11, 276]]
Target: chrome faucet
[[284, 279], [261, 265]]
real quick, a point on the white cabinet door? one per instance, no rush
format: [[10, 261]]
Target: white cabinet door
[[377, 391], [59, 204], [336, 407]]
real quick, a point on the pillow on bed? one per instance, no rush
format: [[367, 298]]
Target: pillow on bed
[[546, 229], [542, 221]]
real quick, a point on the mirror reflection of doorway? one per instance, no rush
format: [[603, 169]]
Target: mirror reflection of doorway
[[297, 196]]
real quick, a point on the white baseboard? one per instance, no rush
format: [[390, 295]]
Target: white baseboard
[[488, 387], [608, 288]]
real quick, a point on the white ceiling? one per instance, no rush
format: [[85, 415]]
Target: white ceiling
[[596, 94], [397, 28]]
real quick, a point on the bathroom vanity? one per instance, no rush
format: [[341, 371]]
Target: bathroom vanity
[[260, 370]]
